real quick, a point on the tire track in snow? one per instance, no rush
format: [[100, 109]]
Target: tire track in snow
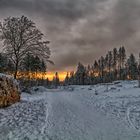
[[131, 124], [46, 119], [47, 106]]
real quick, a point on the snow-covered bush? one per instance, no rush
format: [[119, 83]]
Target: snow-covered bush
[[9, 91]]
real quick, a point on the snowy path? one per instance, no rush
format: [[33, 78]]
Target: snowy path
[[74, 115], [72, 118], [81, 118]]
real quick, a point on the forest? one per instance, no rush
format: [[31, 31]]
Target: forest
[[115, 65]]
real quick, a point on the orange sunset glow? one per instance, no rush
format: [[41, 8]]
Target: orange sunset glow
[[40, 75], [50, 75]]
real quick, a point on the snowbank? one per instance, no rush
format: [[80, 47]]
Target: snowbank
[[9, 90]]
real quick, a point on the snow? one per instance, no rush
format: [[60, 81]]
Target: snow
[[99, 112], [9, 77]]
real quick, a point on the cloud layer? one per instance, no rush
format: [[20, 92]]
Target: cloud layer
[[81, 30]]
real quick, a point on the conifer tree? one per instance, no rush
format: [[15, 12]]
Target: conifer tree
[[72, 80], [139, 71], [3, 62], [96, 68], [56, 81], [110, 61], [132, 67], [114, 63], [123, 56], [67, 79], [80, 74], [101, 67], [121, 60]]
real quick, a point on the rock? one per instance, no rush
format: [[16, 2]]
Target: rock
[[9, 91]]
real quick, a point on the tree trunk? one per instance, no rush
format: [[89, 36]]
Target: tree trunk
[[139, 76], [16, 71], [15, 74], [139, 82]]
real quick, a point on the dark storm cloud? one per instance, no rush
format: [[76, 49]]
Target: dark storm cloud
[[69, 9], [81, 30], [126, 18]]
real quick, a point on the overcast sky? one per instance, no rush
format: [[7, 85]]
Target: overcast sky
[[81, 30]]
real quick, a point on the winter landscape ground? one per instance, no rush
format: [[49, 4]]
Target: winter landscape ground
[[97, 112]]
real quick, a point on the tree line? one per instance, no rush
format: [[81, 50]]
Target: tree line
[[113, 66], [32, 71], [28, 64]]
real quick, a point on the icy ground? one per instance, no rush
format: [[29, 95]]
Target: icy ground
[[101, 112]]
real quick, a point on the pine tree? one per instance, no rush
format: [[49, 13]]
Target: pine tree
[[110, 61], [66, 81], [56, 81], [101, 63], [36, 64], [96, 68], [27, 62], [43, 71], [80, 74], [121, 60], [72, 78], [132, 67], [3, 62], [47, 82], [106, 62], [114, 64], [43, 66], [123, 56], [139, 71], [88, 70]]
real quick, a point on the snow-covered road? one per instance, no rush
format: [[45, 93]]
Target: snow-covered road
[[75, 115], [72, 119]]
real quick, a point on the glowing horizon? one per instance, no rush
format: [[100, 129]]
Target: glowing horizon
[[50, 75]]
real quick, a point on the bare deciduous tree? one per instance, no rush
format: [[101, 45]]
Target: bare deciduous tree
[[20, 36]]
